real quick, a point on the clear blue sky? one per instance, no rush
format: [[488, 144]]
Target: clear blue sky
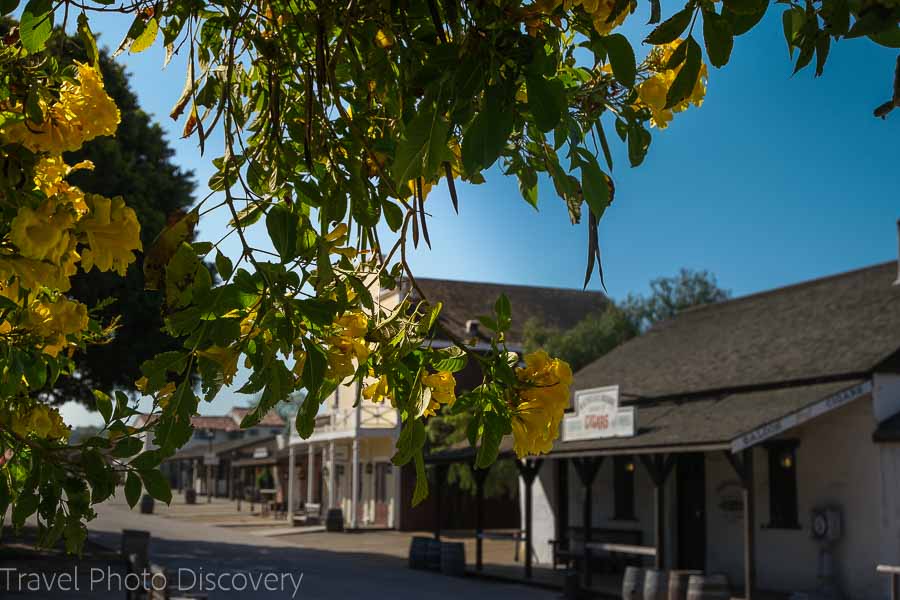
[[776, 179]]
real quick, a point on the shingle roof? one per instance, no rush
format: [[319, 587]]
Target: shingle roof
[[465, 300], [214, 422], [272, 418], [200, 450], [838, 326]]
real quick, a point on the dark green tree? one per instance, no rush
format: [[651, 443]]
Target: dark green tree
[[138, 165], [671, 295]]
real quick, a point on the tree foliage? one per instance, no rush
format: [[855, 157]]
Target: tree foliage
[[335, 116], [671, 295]]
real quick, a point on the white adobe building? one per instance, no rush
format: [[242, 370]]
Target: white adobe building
[[742, 438]]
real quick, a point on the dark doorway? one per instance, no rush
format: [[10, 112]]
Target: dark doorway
[[691, 501]]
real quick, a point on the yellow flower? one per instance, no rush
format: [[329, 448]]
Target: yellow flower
[[226, 358], [42, 234], [378, 391], [431, 409], [443, 387], [539, 405], [653, 90], [39, 422], [113, 233], [34, 274], [84, 111], [49, 174], [54, 321], [346, 345]]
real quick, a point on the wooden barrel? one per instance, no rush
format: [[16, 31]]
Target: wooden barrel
[[433, 555], [708, 587], [418, 547], [147, 504], [633, 584], [334, 520], [678, 583], [656, 584], [190, 496], [453, 559]]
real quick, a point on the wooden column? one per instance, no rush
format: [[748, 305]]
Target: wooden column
[[743, 466], [587, 468], [528, 470], [440, 476], [480, 477], [562, 499], [658, 467]]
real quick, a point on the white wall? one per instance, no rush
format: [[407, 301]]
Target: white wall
[[838, 465]]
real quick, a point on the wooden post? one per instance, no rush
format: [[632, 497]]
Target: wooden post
[[440, 474], [658, 467], [587, 470], [744, 468], [480, 477], [528, 470], [562, 500]]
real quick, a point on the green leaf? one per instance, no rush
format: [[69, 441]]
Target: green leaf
[[157, 486], [393, 214], [746, 7], [503, 311], [488, 133], [421, 491], [594, 184], [132, 489], [422, 147], [23, 507], [741, 24], [104, 405], [128, 447], [671, 28], [146, 461], [621, 58], [36, 25], [823, 44], [494, 430], [412, 438], [89, 41], [452, 359], [224, 266], [792, 21], [7, 6], [546, 101], [282, 225], [687, 77], [718, 36], [889, 38]]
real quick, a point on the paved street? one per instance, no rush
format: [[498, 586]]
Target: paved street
[[213, 557]]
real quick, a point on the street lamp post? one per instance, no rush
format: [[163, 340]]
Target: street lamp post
[[210, 435]]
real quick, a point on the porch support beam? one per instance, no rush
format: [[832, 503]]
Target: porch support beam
[[480, 477], [528, 470], [440, 476], [743, 466], [658, 467], [587, 468], [292, 484]]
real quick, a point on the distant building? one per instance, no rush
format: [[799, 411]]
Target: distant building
[[346, 463], [212, 430]]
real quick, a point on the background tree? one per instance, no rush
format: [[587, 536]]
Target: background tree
[[137, 165], [671, 295]]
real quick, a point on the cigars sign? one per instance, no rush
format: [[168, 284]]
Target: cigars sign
[[598, 415]]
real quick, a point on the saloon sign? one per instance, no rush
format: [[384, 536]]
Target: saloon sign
[[598, 415]]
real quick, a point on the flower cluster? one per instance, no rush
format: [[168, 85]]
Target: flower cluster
[[539, 404], [598, 10], [39, 420], [442, 389], [652, 91], [346, 345], [82, 112]]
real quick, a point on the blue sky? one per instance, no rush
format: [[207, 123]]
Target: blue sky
[[775, 179]]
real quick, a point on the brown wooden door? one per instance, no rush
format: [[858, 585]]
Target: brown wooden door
[[691, 502]]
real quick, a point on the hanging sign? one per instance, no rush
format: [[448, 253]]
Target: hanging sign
[[598, 415]]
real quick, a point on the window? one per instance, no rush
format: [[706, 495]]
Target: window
[[623, 484], [783, 511]]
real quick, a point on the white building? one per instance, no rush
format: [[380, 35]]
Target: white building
[[752, 419]]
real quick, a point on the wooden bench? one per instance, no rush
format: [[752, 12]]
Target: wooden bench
[[568, 551], [517, 536], [309, 514]]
